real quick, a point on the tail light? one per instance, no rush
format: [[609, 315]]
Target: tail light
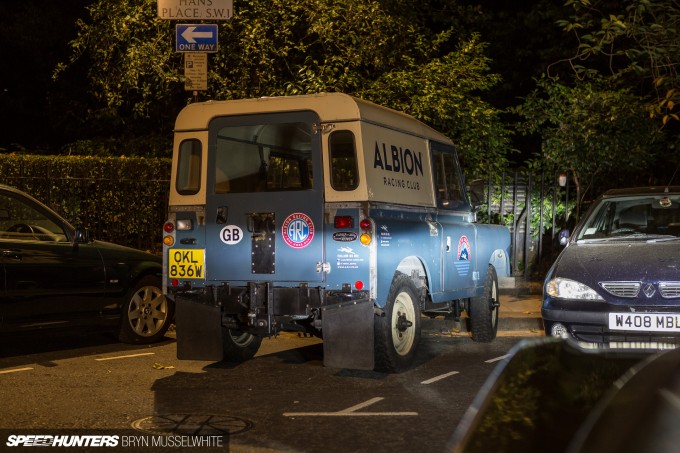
[[168, 239], [343, 222], [366, 226]]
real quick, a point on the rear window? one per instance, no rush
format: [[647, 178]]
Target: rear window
[[264, 157], [188, 181]]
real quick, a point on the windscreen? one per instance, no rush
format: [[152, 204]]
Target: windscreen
[[643, 216], [264, 158]]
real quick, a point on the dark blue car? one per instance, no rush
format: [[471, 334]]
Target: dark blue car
[[617, 282]]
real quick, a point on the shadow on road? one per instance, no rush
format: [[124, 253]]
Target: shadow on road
[[19, 349]]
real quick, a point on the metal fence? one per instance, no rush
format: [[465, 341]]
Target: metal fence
[[534, 207]]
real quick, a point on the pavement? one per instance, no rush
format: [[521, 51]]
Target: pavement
[[519, 313]]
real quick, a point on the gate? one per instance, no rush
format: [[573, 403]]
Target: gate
[[534, 207]]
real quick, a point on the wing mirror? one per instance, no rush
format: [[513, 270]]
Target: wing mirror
[[82, 236], [477, 193]]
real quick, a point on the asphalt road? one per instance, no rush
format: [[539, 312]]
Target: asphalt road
[[283, 400]]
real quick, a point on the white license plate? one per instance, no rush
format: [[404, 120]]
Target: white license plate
[[651, 322]]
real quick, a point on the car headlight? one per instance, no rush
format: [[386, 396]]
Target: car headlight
[[563, 288]]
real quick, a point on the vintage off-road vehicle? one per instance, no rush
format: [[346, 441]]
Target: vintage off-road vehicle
[[323, 214]]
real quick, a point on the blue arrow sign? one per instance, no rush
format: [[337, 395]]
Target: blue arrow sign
[[196, 38]]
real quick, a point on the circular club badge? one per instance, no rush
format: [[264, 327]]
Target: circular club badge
[[298, 230]]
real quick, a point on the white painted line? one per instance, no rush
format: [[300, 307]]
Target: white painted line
[[16, 370], [124, 356], [351, 412], [362, 405], [439, 378], [497, 358]]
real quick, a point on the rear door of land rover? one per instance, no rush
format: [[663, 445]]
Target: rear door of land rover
[[264, 210]]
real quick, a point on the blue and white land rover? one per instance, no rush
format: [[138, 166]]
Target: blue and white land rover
[[323, 214]]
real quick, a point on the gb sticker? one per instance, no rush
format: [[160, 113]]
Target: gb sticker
[[231, 234]]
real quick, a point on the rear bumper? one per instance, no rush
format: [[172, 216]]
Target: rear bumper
[[264, 309]]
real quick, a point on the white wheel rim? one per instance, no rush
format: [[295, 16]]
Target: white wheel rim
[[403, 306]]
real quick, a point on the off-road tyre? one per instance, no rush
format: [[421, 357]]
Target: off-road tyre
[[483, 310], [238, 346], [396, 342]]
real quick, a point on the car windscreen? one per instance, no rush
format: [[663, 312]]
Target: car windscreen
[[633, 216]]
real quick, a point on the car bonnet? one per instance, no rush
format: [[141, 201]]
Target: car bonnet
[[591, 263]]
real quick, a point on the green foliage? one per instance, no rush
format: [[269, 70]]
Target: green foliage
[[591, 130], [277, 47], [121, 200], [445, 94], [635, 41]]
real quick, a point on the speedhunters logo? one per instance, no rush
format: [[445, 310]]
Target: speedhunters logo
[[61, 441], [158, 441]]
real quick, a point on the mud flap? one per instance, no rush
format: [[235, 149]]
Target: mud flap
[[199, 331], [348, 335]]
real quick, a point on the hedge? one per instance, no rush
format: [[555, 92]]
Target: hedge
[[119, 199]]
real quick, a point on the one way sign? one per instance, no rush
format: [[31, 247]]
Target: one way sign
[[196, 38]]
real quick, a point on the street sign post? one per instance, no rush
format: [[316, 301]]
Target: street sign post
[[195, 9], [196, 38], [196, 71]]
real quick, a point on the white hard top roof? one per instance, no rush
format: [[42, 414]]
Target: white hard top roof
[[331, 107]]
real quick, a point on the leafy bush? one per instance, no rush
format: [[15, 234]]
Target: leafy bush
[[119, 199]]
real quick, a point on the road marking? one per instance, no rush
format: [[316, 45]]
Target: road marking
[[439, 378], [497, 358], [351, 412], [16, 370], [124, 356]]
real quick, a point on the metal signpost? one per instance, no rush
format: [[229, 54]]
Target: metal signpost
[[196, 40]]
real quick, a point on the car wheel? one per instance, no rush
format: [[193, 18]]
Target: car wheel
[[397, 334], [147, 314], [484, 310], [238, 346]]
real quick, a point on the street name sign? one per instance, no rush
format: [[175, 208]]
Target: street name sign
[[196, 38], [195, 9]]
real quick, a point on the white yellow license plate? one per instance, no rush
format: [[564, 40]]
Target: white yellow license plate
[[651, 322], [186, 263]]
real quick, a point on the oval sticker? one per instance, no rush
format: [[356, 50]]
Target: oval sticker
[[344, 236], [231, 234]]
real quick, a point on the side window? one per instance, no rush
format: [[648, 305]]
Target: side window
[[21, 221], [450, 194], [188, 180], [343, 157]]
